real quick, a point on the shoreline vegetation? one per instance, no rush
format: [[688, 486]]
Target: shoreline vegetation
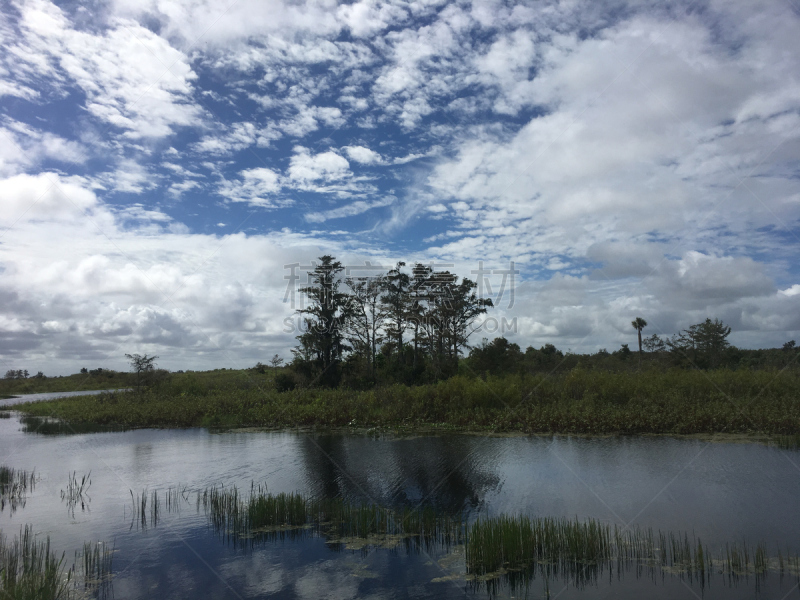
[[579, 401]]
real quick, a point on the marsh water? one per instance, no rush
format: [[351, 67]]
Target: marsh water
[[718, 492]]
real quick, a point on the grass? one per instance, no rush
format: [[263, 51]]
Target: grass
[[151, 504], [103, 380], [14, 486], [77, 492], [579, 401], [579, 550], [262, 515], [96, 569], [30, 570], [583, 550]]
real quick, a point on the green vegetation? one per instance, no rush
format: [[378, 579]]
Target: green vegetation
[[14, 486], [265, 516], [97, 379], [30, 570], [570, 548], [581, 550], [580, 401]]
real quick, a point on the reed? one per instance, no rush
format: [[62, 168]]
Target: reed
[[77, 492], [262, 515], [147, 507], [788, 442], [14, 486], [95, 575], [4, 414], [582, 550], [30, 570]]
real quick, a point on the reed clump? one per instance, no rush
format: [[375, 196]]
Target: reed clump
[[77, 492], [95, 561], [584, 549], [14, 486], [267, 516], [30, 570], [147, 507]]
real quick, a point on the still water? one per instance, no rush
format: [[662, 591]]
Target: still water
[[718, 492]]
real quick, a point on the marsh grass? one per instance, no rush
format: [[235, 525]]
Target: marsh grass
[[264, 516], [95, 562], [147, 507], [30, 570], [51, 426], [581, 551], [4, 414], [14, 486], [788, 442], [578, 401], [77, 492]]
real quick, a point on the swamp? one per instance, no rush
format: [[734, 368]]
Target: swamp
[[249, 513]]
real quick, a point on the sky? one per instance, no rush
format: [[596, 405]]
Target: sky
[[163, 163]]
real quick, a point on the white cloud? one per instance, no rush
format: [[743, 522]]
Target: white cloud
[[133, 79], [363, 155], [237, 137], [257, 187], [355, 208], [306, 168]]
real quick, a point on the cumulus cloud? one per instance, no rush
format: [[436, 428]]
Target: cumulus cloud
[[634, 161], [257, 186]]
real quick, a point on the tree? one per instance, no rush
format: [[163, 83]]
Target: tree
[[789, 346], [702, 344], [638, 324], [654, 344], [396, 304], [322, 343], [367, 314], [276, 361], [144, 366]]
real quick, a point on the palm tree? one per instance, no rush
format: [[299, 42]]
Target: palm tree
[[638, 324]]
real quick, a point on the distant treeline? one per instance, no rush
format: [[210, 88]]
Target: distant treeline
[[414, 326]]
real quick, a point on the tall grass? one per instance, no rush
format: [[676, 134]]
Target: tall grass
[[262, 515], [584, 550], [14, 486], [30, 570], [147, 507], [77, 492], [578, 401], [95, 561]]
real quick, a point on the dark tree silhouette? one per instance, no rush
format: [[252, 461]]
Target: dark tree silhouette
[[638, 324]]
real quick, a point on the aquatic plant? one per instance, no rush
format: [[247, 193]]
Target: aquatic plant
[[4, 414], [30, 570], [788, 442], [77, 492], [172, 499], [14, 486], [95, 561], [265, 516], [582, 550]]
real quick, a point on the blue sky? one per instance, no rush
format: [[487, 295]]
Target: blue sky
[[163, 160]]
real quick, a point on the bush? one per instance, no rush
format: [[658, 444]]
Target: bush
[[285, 381]]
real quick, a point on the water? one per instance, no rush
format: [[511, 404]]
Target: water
[[20, 398], [721, 492]]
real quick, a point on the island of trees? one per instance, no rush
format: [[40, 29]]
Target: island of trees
[[395, 351]]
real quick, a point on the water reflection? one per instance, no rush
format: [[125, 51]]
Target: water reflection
[[451, 473]]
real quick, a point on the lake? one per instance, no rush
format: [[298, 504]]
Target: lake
[[717, 492]]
